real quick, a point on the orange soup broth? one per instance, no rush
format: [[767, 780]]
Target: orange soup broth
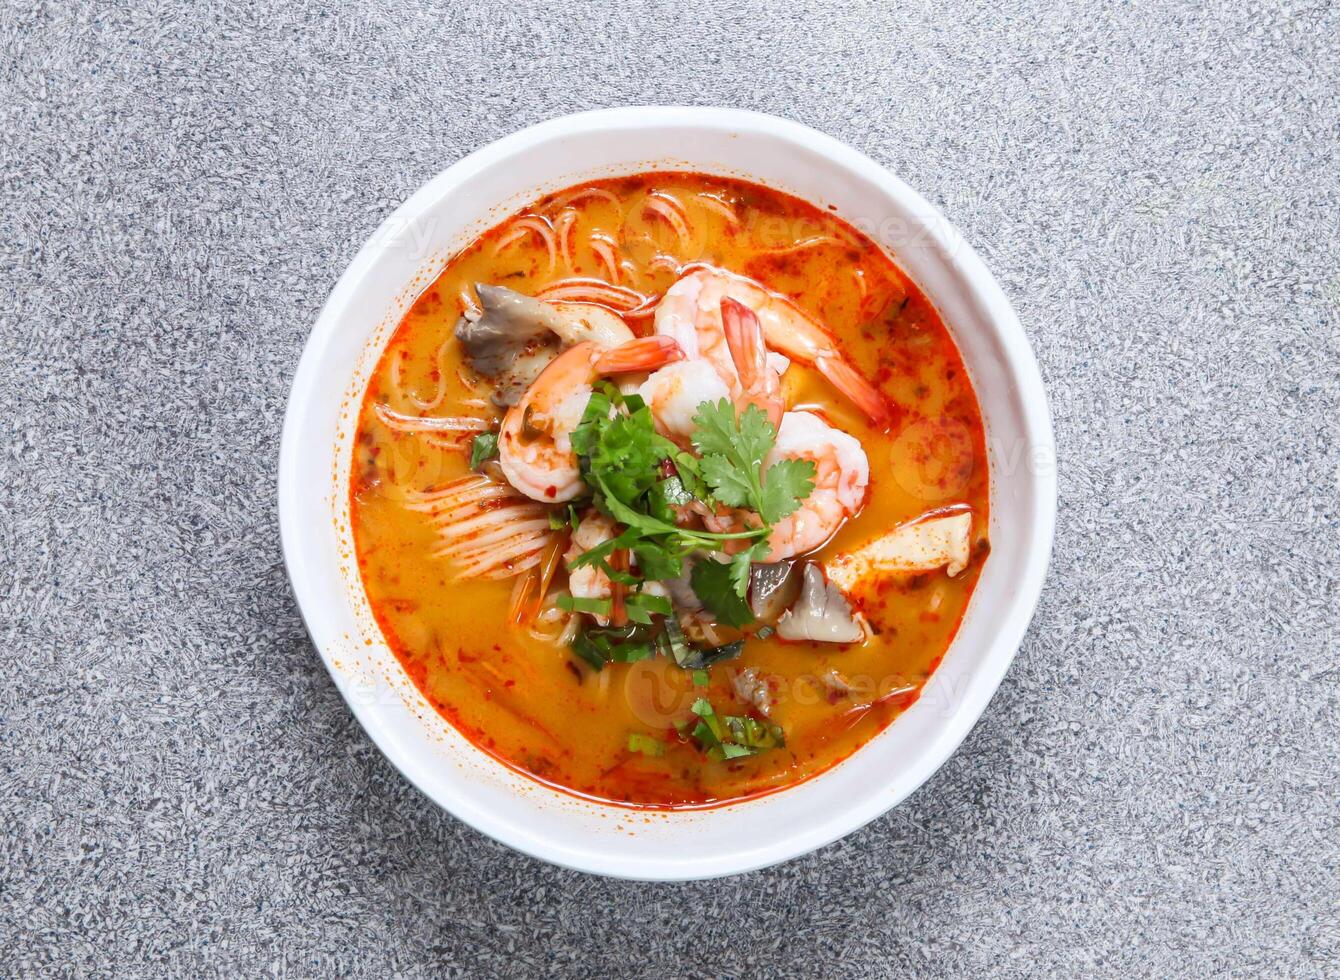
[[536, 707]]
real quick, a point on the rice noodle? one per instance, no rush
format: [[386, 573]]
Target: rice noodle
[[668, 208], [603, 247], [723, 208], [563, 232], [577, 289], [667, 262], [813, 241], [428, 406], [859, 276], [534, 224], [486, 529], [441, 423], [454, 443], [430, 424], [552, 625], [575, 196]]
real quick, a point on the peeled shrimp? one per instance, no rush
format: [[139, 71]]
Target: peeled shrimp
[[691, 313], [842, 475], [589, 581], [674, 393], [535, 441]]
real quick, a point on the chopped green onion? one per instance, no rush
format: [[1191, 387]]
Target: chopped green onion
[[572, 603], [646, 744], [735, 736], [701, 678], [641, 606]]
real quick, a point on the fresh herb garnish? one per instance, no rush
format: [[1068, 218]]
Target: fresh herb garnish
[[714, 583], [646, 744], [483, 448], [572, 603], [641, 606], [622, 459], [640, 479], [699, 658], [701, 678], [564, 520], [734, 736], [600, 645], [733, 449]]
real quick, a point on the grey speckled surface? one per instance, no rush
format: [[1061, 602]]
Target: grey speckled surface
[[1152, 791]]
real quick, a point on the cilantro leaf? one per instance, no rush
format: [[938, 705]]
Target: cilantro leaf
[[745, 439], [785, 484], [483, 448], [665, 496], [691, 476], [730, 484], [657, 562], [734, 449], [740, 566], [715, 584]]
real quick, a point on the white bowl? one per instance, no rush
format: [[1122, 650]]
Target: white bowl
[[406, 254]]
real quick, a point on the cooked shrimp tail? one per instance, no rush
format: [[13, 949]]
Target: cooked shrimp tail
[[692, 311], [759, 383], [844, 376], [799, 337], [643, 354]]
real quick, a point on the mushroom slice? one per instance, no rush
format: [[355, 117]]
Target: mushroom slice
[[772, 588], [515, 336], [822, 614], [934, 540]]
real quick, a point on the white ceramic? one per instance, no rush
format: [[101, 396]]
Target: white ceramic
[[405, 255]]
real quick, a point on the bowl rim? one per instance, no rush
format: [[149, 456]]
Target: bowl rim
[[1022, 368]]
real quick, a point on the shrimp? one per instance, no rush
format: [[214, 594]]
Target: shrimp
[[691, 312], [842, 475], [589, 581], [675, 392], [535, 441], [759, 383]]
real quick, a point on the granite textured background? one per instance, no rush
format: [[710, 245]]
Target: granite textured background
[[1154, 788]]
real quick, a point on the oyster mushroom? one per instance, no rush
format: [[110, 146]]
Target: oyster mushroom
[[514, 336], [821, 614], [772, 588]]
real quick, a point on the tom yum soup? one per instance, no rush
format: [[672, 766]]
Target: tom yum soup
[[670, 490]]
